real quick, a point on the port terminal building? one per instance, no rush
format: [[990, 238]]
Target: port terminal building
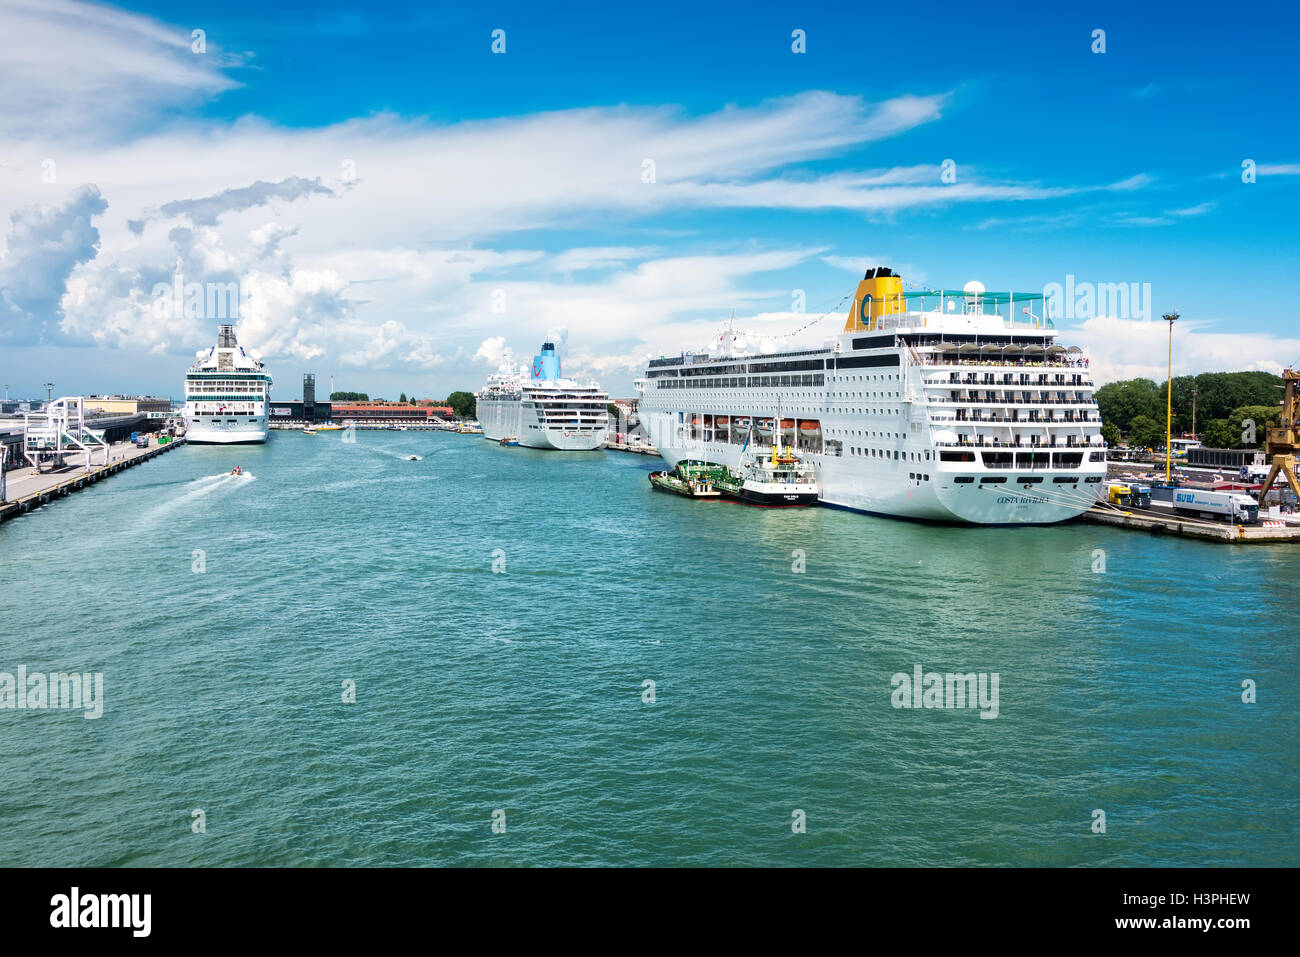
[[391, 413], [308, 411], [128, 405], [1234, 459]]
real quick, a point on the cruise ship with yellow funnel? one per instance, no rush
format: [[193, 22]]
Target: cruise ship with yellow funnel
[[938, 405]]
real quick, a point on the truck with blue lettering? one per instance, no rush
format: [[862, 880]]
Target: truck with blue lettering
[[1235, 507]]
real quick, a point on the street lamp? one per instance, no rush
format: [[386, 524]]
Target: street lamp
[[1194, 394], [1171, 318]]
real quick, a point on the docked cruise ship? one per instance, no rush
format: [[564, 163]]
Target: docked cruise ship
[[928, 405], [227, 394], [542, 409]]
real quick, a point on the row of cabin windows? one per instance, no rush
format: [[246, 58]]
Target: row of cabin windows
[[1025, 479], [744, 382]]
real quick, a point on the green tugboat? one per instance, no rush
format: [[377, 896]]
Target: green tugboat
[[691, 479]]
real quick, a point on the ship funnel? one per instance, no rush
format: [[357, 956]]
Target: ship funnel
[[546, 364], [879, 294], [226, 337]]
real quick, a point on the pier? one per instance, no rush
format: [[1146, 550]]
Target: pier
[[1167, 523], [634, 449], [26, 489]]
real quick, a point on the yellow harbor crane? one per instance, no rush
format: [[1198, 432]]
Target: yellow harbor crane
[[1283, 442]]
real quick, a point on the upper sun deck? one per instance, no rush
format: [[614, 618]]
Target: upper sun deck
[[968, 311], [561, 385], [227, 356]]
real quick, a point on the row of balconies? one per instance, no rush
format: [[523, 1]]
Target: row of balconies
[[998, 398], [1022, 380], [1034, 441], [1032, 416]]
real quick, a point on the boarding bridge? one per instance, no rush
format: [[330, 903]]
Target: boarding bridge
[[58, 430]]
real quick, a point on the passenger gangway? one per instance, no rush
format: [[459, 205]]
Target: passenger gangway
[[58, 430]]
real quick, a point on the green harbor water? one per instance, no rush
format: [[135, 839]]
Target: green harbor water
[[500, 612]]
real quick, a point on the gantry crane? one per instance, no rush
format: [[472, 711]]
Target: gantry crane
[[1283, 442]]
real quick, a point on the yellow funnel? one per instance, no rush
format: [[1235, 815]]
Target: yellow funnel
[[879, 294]]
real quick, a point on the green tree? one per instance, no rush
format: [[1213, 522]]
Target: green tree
[[1110, 433], [349, 397], [1146, 432], [1263, 416], [1184, 385], [1218, 396], [463, 404], [402, 397], [1219, 434], [1121, 402]]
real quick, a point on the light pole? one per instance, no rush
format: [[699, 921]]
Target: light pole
[[49, 394], [1193, 413], [1171, 318]]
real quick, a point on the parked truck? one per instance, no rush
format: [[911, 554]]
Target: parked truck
[[1235, 507], [1119, 494]]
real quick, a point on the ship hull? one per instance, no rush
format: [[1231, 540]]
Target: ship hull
[[884, 488], [502, 418], [776, 499], [243, 432]]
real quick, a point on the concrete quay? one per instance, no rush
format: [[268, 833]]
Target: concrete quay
[[26, 489], [1161, 522]]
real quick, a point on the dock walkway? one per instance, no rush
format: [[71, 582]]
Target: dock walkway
[[26, 489], [1151, 520]]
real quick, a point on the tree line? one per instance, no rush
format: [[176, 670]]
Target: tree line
[[1133, 410]]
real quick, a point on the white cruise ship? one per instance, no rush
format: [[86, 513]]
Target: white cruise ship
[[929, 405], [542, 409], [227, 394]]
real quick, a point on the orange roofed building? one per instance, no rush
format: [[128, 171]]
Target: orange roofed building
[[390, 412]]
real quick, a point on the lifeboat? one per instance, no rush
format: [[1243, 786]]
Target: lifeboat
[[810, 427], [743, 424], [787, 425], [722, 421], [696, 421], [765, 425]]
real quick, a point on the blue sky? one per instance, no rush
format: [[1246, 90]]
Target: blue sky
[[495, 199]]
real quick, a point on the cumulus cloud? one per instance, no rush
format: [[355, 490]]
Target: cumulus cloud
[[1133, 348], [43, 246], [491, 351], [409, 264]]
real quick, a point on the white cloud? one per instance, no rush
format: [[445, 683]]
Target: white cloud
[[492, 351], [84, 70], [399, 227], [44, 245], [1133, 348]]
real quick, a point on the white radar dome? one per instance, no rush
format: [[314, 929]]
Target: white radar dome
[[973, 288]]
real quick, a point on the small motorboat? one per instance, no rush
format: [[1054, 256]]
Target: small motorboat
[[308, 430], [237, 471], [510, 440]]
